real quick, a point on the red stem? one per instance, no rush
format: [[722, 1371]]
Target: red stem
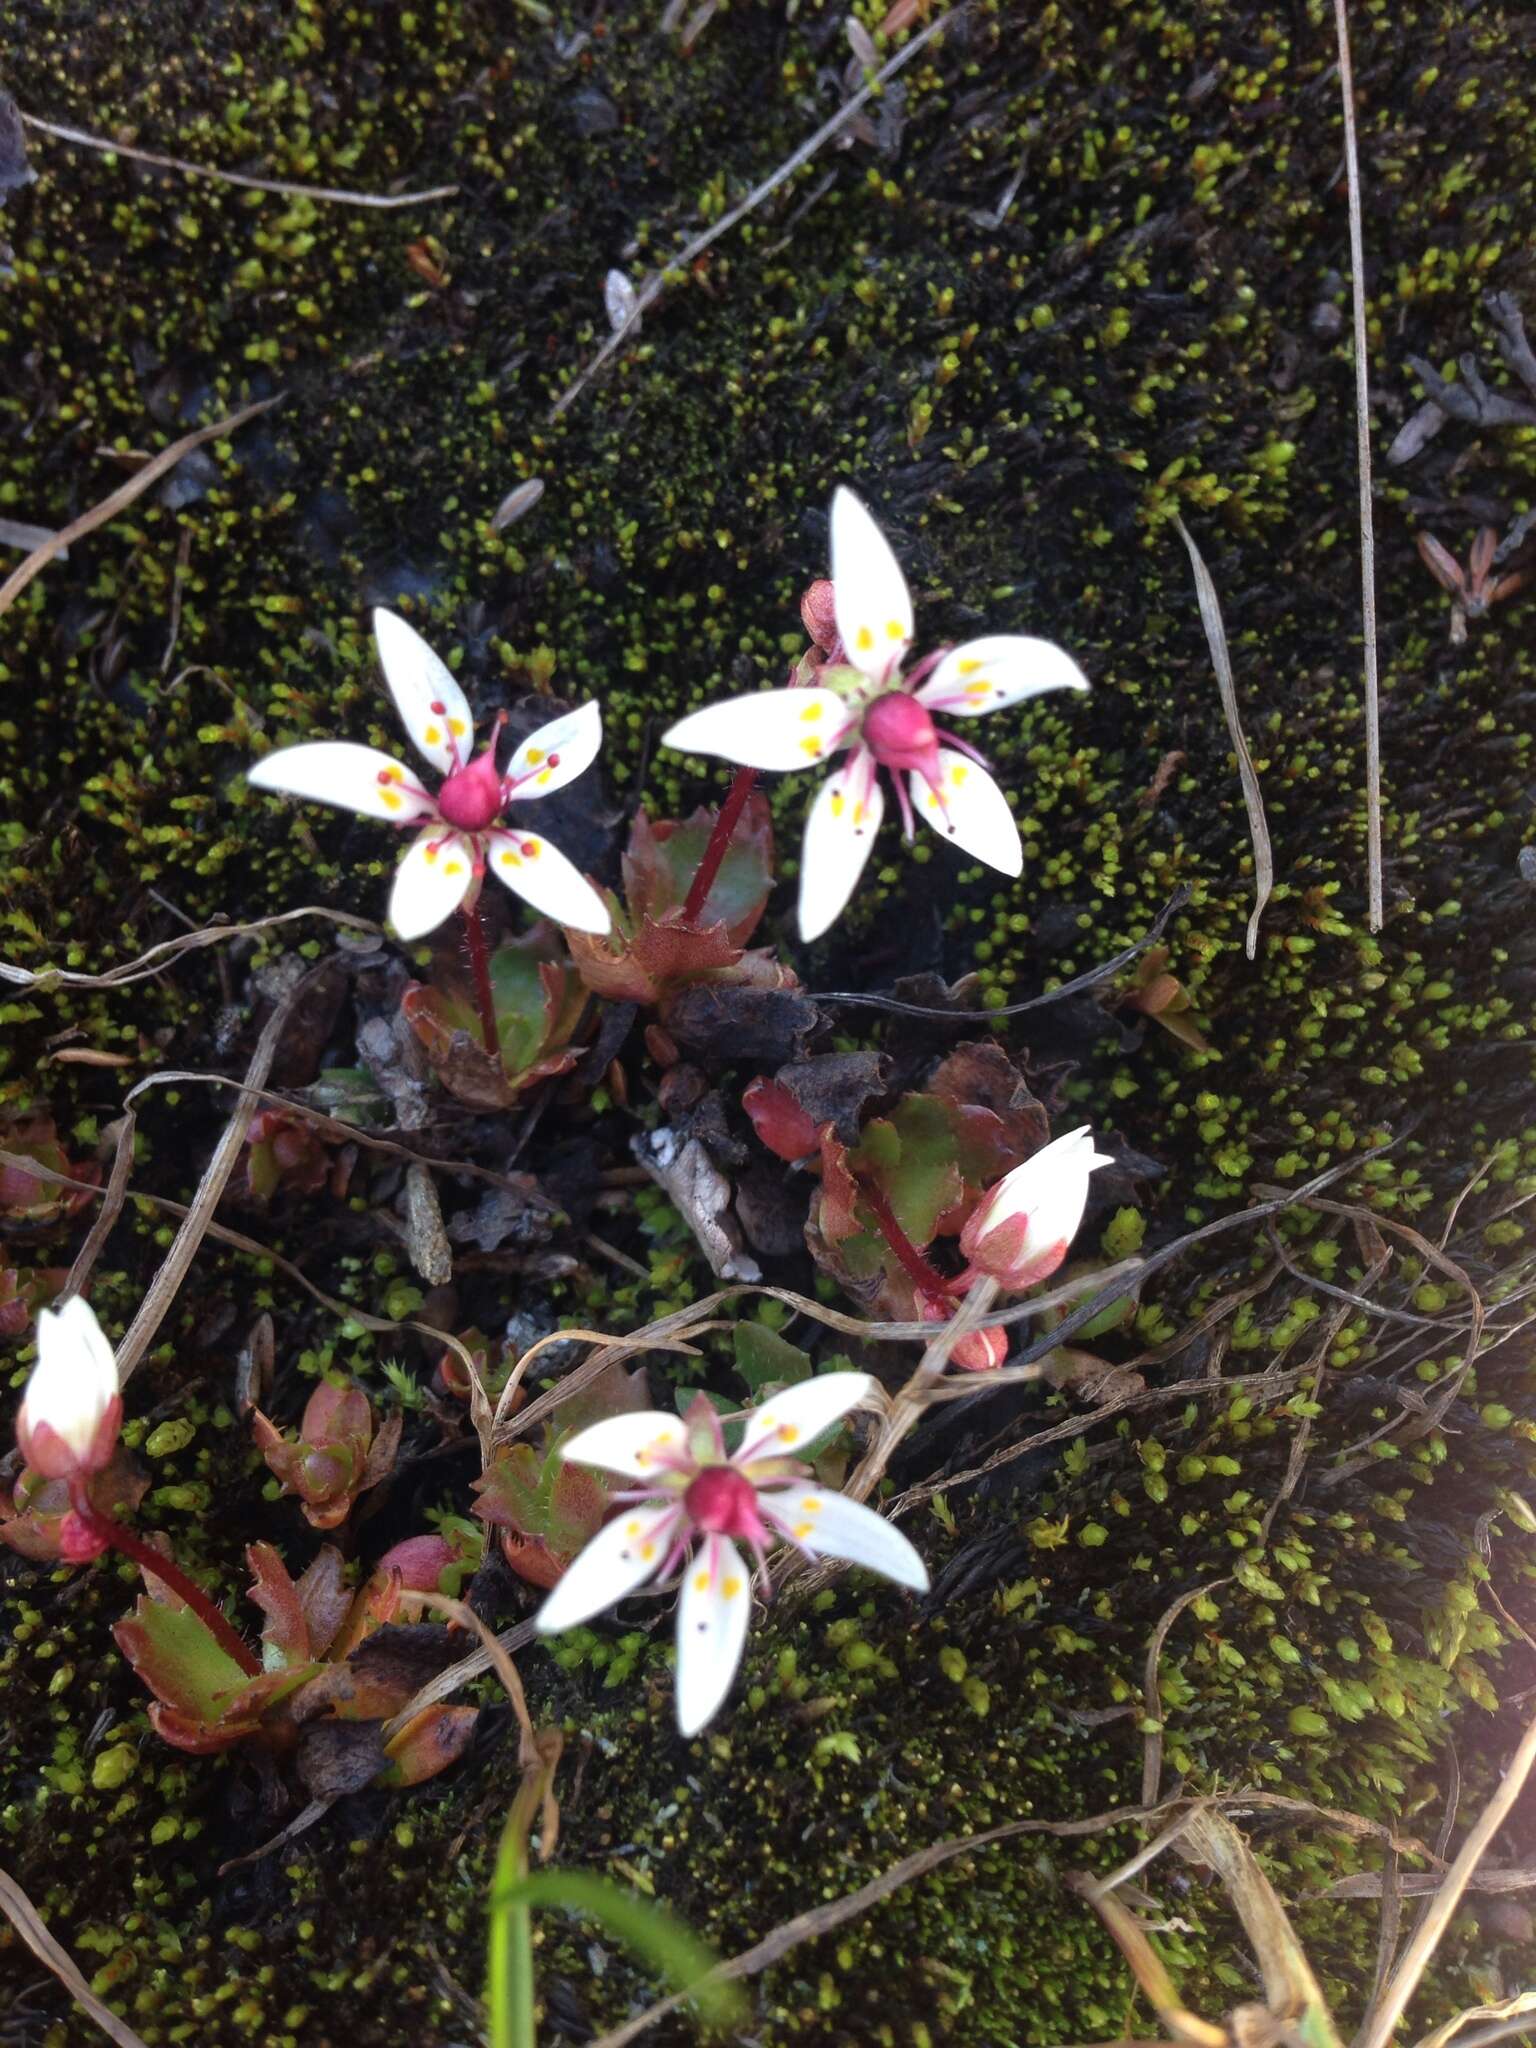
[[927, 1279], [117, 1536], [480, 969], [727, 818]]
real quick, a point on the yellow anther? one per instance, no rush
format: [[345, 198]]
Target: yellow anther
[[730, 1589], [701, 1583], [535, 756], [866, 639], [895, 630], [433, 735], [457, 727], [812, 748]]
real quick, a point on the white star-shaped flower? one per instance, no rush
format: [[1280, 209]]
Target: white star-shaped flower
[[695, 1499], [885, 719], [463, 834]]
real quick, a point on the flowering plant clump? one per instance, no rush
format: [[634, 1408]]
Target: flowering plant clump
[[463, 835], [862, 702], [696, 1502]]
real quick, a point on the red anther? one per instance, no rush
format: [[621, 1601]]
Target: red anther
[[384, 776], [553, 761], [440, 709]]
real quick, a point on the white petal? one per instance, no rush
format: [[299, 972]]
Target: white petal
[[778, 729], [556, 754], [359, 779], [629, 1443], [990, 674], [621, 1556], [75, 1379], [974, 813], [431, 705], [431, 882], [783, 1426], [540, 873], [828, 1525], [869, 592], [712, 1618], [839, 838]]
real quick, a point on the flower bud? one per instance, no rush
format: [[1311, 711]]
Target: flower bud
[[1020, 1230], [71, 1410], [818, 613]]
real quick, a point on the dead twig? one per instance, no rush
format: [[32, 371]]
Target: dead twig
[[1363, 450], [47, 979], [652, 289], [173, 1270], [111, 1204], [124, 495], [1079, 985], [1382, 2022], [1151, 1695], [334, 195], [28, 1923], [1247, 774]]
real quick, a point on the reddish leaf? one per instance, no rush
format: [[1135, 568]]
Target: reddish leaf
[[661, 860], [538, 1000], [779, 1121], [428, 1743], [285, 1634]]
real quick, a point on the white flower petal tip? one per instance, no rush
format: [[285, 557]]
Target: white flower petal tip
[[621, 1556], [556, 754], [638, 1446], [783, 1427], [712, 1616], [540, 873], [839, 838], [869, 592], [71, 1410], [432, 707], [776, 729], [355, 778], [971, 813], [829, 1525], [431, 882], [989, 675]]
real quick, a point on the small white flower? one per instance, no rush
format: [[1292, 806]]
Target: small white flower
[[1020, 1230], [464, 834], [693, 1494], [885, 719], [71, 1411]]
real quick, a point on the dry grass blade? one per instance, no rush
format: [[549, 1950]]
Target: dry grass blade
[[821, 1920], [173, 1270], [497, 1659], [121, 1132], [1151, 1693], [124, 495], [1380, 2023], [651, 290], [1363, 447], [1508, 2009], [1253, 796], [1367, 1884], [158, 958], [447, 1682], [1146, 1967], [24, 1917], [335, 195], [1291, 1990]]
